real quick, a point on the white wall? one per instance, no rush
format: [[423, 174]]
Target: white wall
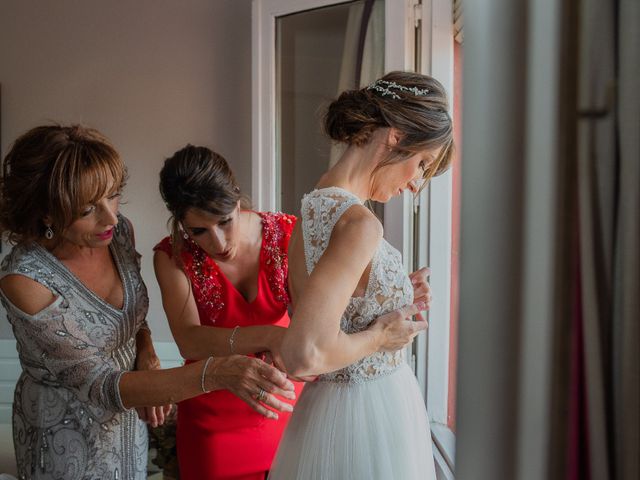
[[152, 75]]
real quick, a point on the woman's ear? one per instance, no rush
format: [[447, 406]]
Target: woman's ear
[[393, 137]]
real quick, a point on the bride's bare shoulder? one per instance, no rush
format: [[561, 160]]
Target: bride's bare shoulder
[[360, 223]]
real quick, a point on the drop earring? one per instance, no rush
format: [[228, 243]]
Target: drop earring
[[48, 233]]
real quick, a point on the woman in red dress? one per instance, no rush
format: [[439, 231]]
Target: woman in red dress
[[223, 279]]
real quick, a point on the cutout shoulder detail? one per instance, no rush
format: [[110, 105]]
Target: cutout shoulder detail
[[25, 295]]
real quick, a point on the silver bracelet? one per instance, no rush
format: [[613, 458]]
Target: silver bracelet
[[231, 338], [204, 373]]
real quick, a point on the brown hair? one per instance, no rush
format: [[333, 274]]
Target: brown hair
[[417, 107], [55, 171], [197, 177]]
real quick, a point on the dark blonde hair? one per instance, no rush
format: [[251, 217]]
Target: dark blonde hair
[[417, 107], [197, 177], [55, 171]]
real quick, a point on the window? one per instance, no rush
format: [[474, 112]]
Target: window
[[435, 233], [288, 157], [307, 78]]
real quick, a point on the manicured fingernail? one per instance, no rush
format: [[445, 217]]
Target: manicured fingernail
[[290, 395], [273, 415], [288, 408]]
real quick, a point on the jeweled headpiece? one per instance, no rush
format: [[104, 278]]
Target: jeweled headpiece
[[386, 89]]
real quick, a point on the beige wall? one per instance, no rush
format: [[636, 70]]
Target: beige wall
[[152, 75]]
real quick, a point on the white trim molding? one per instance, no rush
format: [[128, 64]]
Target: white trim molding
[[435, 215], [434, 234], [444, 453], [9, 373]]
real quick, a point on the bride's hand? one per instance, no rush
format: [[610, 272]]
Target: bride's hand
[[395, 329], [421, 288], [253, 381]]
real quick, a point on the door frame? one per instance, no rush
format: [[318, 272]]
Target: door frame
[[434, 224], [435, 17]]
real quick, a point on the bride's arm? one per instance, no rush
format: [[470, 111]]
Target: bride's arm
[[314, 343]]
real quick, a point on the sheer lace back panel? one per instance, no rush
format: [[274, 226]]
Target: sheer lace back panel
[[388, 286]]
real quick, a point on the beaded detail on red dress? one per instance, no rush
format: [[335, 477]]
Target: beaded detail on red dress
[[205, 279], [276, 230]]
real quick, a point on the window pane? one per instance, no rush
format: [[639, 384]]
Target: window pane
[[319, 53]]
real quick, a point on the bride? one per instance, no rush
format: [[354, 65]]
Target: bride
[[364, 416]]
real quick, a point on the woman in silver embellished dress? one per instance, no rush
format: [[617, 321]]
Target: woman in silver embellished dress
[[74, 296], [364, 417]]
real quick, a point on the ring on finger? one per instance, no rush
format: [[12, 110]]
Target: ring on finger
[[261, 395]]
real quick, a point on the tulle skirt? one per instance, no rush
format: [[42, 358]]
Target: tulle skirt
[[375, 430]]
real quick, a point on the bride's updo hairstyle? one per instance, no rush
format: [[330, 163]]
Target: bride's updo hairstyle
[[199, 178], [414, 104]]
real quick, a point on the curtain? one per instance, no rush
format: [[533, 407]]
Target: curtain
[[608, 193], [626, 282], [589, 168]]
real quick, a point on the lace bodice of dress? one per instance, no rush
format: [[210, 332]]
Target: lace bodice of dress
[[389, 287]]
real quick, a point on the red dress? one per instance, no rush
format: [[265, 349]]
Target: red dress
[[218, 435]]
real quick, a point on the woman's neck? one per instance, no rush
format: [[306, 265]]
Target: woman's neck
[[354, 170], [69, 252]]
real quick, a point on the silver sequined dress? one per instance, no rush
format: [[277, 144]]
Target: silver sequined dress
[[367, 420], [68, 418]]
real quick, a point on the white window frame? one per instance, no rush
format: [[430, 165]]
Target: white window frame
[[435, 224], [264, 136]]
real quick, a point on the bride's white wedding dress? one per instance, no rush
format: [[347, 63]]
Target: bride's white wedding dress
[[366, 421]]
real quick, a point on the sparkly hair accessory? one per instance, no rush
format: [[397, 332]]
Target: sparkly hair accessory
[[385, 88]]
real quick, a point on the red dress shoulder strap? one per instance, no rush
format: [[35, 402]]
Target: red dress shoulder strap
[[165, 246], [276, 233]]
